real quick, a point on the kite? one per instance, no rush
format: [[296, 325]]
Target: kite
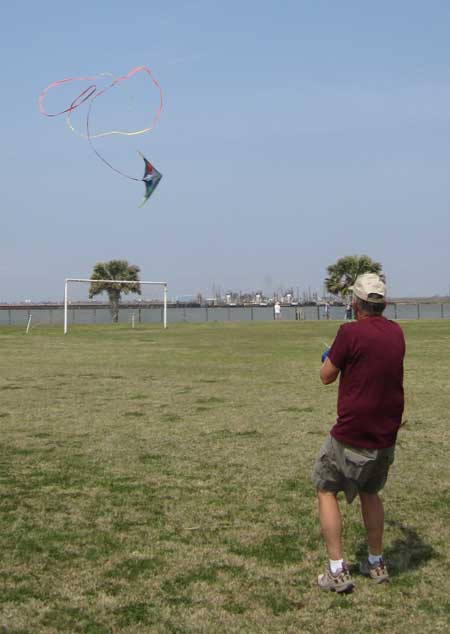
[[90, 94], [151, 180]]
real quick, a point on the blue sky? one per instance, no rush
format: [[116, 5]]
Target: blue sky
[[294, 132]]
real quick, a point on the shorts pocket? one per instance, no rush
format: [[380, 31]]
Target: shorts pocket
[[357, 466]]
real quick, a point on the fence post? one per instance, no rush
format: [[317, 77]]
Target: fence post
[[418, 310], [251, 313], [442, 310], [318, 312], [395, 311], [9, 317], [206, 313], [229, 313]]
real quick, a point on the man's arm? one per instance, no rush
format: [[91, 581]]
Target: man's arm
[[328, 372]]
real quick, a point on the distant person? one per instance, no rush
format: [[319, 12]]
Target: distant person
[[326, 310], [348, 312], [368, 355], [277, 310]]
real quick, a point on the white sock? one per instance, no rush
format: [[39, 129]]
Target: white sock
[[336, 565], [374, 559]]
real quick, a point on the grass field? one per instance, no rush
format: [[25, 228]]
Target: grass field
[[158, 481]]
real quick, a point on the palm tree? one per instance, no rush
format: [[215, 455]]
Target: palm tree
[[114, 270], [344, 272]]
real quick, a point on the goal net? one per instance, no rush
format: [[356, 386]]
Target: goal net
[[150, 306]]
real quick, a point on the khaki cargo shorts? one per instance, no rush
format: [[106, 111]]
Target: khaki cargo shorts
[[352, 470]]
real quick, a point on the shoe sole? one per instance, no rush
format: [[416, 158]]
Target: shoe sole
[[384, 580]]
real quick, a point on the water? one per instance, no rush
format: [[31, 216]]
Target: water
[[101, 315]]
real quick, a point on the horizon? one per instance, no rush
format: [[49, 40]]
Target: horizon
[[134, 298]]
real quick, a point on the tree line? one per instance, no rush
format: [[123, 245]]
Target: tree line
[[340, 277]]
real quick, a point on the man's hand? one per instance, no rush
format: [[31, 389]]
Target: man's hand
[[328, 372]]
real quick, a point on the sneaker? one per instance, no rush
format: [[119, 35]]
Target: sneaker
[[339, 582], [377, 572]]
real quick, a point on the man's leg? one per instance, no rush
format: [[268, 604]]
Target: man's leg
[[336, 576], [373, 516], [330, 523]]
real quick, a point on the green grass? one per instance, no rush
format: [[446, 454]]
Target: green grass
[[165, 488]]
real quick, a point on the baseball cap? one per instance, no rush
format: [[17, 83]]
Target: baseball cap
[[370, 288]]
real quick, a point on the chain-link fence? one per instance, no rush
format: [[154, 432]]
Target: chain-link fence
[[91, 314]]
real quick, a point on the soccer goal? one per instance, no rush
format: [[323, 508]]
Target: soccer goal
[[73, 280]]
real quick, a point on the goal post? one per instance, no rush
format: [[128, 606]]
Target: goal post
[[69, 280]]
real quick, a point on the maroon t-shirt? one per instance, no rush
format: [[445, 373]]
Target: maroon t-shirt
[[369, 354]]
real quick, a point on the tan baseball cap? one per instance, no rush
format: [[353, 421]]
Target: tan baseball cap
[[370, 288]]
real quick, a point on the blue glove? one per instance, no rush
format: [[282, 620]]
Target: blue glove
[[325, 354]]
